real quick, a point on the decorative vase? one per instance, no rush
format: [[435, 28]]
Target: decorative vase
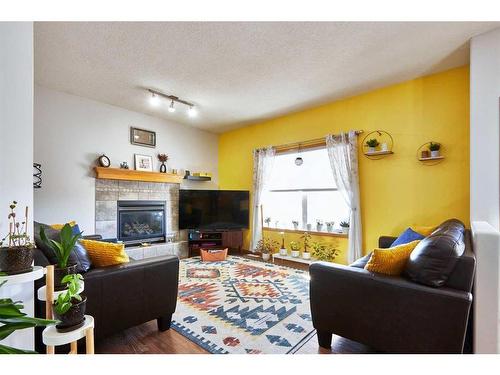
[[295, 253], [14, 260], [283, 252], [306, 255], [434, 154], [266, 256], [72, 319], [163, 167]]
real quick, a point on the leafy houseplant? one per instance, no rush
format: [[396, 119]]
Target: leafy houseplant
[[162, 158], [434, 149], [69, 307], [62, 250], [267, 220], [324, 252], [295, 224], [306, 237], [344, 225], [18, 255], [372, 144], [329, 226], [13, 319], [266, 247], [295, 249], [319, 225]]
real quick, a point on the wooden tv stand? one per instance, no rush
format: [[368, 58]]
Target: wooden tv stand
[[215, 239]]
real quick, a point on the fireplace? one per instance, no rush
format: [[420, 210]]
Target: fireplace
[[141, 221]]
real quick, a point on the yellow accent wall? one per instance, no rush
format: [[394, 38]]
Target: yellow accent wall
[[397, 191]]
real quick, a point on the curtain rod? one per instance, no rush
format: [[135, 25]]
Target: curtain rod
[[311, 143]]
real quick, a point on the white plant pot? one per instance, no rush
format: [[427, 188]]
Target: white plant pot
[[384, 147], [319, 227], [329, 229], [295, 254], [308, 227], [306, 255], [434, 154], [266, 257], [283, 252], [345, 229], [371, 150]]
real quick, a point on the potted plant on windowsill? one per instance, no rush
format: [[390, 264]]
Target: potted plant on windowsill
[[344, 226], [372, 145], [283, 250], [434, 149], [319, 225], [17, 257], [306, 237], [267, 220], [325, 253], [295, 224], [13, 319], [69, 307], [295, 249], [329, 226], [62, 250], [266, 247]]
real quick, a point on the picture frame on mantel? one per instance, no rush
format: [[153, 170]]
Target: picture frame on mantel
[[142, 137], [143, 162]]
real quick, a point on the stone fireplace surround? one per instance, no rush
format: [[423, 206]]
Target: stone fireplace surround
[[109, 192]]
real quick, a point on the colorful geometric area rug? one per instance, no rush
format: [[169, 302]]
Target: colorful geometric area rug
[[242, 306]]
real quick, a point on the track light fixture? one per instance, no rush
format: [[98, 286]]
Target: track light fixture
[[155, 101]]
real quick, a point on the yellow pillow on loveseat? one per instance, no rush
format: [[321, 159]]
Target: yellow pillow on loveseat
[[391, 261], [104, 254]]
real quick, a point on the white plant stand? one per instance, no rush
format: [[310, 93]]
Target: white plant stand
[[52, 338]]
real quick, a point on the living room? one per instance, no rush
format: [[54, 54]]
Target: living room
[[250, 187]]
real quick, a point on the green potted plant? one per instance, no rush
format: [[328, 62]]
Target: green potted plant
[[267, 220], [344, 226], [295, 224], [283, 250], [62, 250], [13, 319], [266, 247], [306, 237], [372, 144], [17, 256], [434, 149], [329, 226], [69, 307], [325, 253], [319, 225], [295, 249]]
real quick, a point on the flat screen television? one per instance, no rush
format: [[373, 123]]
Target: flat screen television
[[213, 209]]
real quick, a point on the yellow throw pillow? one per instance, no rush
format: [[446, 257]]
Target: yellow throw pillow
[[60, 226], [391, 261], [104, 254], [424, 231]]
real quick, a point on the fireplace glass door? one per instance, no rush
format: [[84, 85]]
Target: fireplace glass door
[[141, 221]]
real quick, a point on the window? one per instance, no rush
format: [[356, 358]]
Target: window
[[304, 193]]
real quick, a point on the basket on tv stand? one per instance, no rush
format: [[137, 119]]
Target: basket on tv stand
[[215, 239]]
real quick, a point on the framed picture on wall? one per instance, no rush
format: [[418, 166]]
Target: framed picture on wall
[[143, 163], [141, 137]]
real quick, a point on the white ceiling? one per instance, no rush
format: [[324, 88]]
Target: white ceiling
[[240, 73]]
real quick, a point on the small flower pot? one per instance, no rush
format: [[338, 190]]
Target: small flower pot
[[296, 226], [14, 260], [72, 319], [309, 227], [344, 230], [283, 252], [266, 256], [319, 227], [329, 228], [295, 253], [371, 150], [434, 154], [306, 255], [59, 274]]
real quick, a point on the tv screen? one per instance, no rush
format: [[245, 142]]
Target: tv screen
[[213, 209]]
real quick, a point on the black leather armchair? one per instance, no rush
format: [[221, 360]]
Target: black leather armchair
[[392, 314], [125, 295]]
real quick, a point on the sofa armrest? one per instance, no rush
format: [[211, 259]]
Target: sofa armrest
[[385, 312], [384, 242]]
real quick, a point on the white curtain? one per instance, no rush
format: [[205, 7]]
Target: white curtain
[[343, 154], [262, 166]]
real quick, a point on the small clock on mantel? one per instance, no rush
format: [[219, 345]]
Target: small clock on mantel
[[104, 161]]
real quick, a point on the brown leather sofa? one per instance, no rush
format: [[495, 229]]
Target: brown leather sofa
[[126, 295], [393, 314]]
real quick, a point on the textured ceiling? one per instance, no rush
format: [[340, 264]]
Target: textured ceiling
[[240, 73]]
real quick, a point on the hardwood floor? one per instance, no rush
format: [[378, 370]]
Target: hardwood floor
[[146, 339]]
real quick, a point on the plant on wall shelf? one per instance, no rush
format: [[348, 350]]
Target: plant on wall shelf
[[434, 146], [372, 144]]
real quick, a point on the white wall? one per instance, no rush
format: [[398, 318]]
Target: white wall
[[484, 128], [16, 147], [70, 133]]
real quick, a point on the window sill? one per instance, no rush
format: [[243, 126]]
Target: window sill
[[311, 232]]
